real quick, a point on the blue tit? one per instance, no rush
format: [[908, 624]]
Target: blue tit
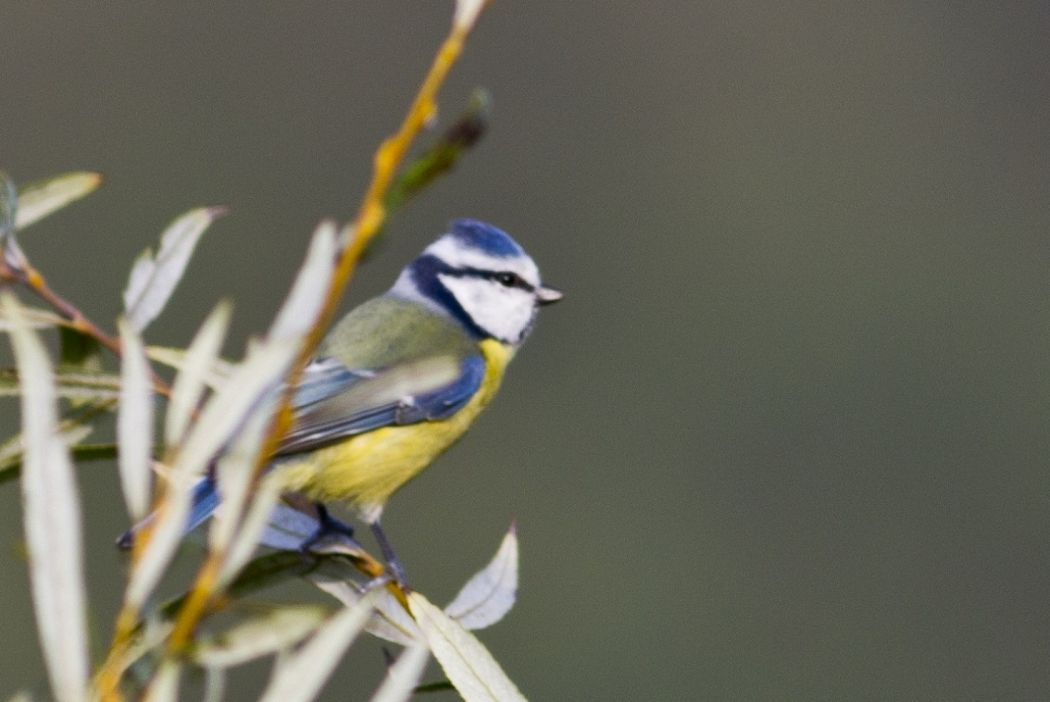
[[403, 376]]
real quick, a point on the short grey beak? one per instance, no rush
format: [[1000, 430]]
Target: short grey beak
[[546, 295]]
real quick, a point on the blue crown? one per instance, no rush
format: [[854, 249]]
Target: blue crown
[[485, 237]]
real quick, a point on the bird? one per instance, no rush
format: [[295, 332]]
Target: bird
[[403, 376]]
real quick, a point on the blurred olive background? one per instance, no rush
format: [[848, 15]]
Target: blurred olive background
[[785, 438]]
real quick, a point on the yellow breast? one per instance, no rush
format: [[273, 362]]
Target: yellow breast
[[368, 468]]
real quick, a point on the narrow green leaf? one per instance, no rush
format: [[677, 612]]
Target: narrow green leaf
[[469, 666], [444, 153], [38, 200], [78, 350], [51, 509], [154, 278]]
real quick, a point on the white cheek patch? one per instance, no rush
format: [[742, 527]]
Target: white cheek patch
[[502, 312]]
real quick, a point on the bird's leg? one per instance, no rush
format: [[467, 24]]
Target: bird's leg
[[392, 561], [327, 525]]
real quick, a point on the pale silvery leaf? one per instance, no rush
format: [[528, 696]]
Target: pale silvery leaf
[[469, 666], [303, 304], [214, 684], [165, 684], [135, 423], [300, 675], [51, 510], [491, 593], [389, 621], [37, 200], [234, 471], [265, 496], [223, 414], [402, 677], [8, 206], [198, 361], [262, 635], [153, 278], [167, 527], [36, 318], [226, 411], [467, 12], [150, 637], [214, 377], [70, 431], [70, 385]]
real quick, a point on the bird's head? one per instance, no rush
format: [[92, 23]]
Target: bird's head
[[481, 277]]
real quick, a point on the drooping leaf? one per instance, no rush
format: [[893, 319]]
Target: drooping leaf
[[135, 424], [491, 593], [300, 675], [153, 278], [469, 666], [38, 200], [51, 509], [262, 635]]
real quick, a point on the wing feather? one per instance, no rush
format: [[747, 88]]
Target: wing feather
[[334, 402]]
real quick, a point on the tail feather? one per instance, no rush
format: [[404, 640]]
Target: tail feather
[[205, 501]]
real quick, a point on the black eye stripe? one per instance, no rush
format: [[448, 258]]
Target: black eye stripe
[[506, 278]]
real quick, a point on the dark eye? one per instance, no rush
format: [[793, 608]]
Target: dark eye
[[509, 280]]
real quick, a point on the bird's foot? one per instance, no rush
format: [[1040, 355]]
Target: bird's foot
[[327, 526]]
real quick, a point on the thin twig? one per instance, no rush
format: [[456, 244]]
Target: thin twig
[[33, 279]]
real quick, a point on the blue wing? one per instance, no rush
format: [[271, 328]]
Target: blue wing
[[334, 402]]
